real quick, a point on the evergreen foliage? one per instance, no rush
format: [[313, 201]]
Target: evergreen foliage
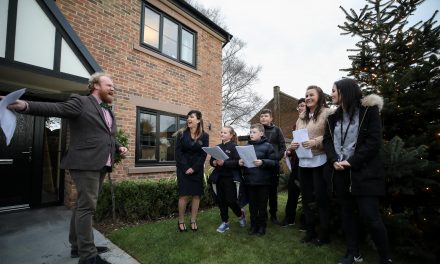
[[142, 200], [401, 62], [122, 138]]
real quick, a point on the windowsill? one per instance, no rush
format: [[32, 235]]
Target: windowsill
[[161, 57], [136, 170]]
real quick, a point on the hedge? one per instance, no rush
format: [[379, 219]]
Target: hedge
[[143, 200]]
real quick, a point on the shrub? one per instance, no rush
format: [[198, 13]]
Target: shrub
[[142, 200]]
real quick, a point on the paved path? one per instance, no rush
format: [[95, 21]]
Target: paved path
[[40, 236]]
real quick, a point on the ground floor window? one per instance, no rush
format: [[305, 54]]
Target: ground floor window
[[154, 136]]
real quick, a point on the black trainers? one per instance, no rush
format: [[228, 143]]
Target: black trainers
[[74, 252], [261, 231], [286, 223], [253, 231], [274, 220], [308, 239], [321, 242], [351, 259]]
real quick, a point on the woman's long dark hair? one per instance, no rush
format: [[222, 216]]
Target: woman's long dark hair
[[199, 130], [350, 94], [321, 103]]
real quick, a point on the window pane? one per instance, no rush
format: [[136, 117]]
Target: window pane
[[167, 129], [187, 48], [147, 136], [151, 28], [170, 35], [182, 122]]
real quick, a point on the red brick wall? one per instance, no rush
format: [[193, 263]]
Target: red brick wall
[[288, 114], [110, 30]]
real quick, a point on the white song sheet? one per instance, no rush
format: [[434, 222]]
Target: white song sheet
[[216, 152], [8, 120], [300, 136], [247, 154]]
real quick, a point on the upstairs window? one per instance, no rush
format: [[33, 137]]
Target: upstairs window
[[164, 35]]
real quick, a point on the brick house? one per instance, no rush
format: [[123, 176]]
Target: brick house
[[284, 112], [163, 55]]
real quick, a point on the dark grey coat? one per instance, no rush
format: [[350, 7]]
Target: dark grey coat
[[91, 140]]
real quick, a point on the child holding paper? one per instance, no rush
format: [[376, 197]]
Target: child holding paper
[[258, 179], [226, 175]]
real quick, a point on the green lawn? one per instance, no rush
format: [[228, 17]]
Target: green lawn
[[160, 242]]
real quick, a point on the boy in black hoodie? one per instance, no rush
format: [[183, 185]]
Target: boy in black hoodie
[[274, 136], [258, 178]]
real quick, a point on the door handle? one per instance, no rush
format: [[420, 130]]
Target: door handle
[[29, 154]]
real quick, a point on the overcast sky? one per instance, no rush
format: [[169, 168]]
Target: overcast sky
[[297, 43]]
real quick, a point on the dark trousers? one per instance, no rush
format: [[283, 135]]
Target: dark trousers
[[258, 196], [314, 187], [88, 185], [369, 212], [227, 198], [293, 192], [273, 193]]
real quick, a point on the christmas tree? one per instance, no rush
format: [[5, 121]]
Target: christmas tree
[[401, 62]]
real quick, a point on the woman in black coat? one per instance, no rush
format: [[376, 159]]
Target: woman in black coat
[[190, 160], [352, 142]]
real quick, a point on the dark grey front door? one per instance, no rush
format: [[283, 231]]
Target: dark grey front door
[[16, 164]]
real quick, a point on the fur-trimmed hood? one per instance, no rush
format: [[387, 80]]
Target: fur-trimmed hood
[[372, 100]]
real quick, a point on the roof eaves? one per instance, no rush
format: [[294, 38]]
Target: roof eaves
[[189, 9]]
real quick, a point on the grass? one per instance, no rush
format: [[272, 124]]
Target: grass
[[160, 242]]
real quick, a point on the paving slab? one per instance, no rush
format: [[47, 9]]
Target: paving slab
[[40, 236]]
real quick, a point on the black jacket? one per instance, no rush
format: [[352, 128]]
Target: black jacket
[[189, 153], [366, 171], [230, 167], [261, 175], [275, 136]]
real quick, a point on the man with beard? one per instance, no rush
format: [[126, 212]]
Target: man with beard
[[89, 157]]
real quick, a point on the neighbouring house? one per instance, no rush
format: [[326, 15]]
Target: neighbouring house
[[163, 55], [283, 107]]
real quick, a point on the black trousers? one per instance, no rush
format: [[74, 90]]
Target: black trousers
[[273, 192], [227, 198], [258, 196], [354, 208], [293, 192], [314, 187]]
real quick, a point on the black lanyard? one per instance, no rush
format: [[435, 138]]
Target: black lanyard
[[346, 131]]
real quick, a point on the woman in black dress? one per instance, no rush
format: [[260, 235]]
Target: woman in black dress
[[190, 159]]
